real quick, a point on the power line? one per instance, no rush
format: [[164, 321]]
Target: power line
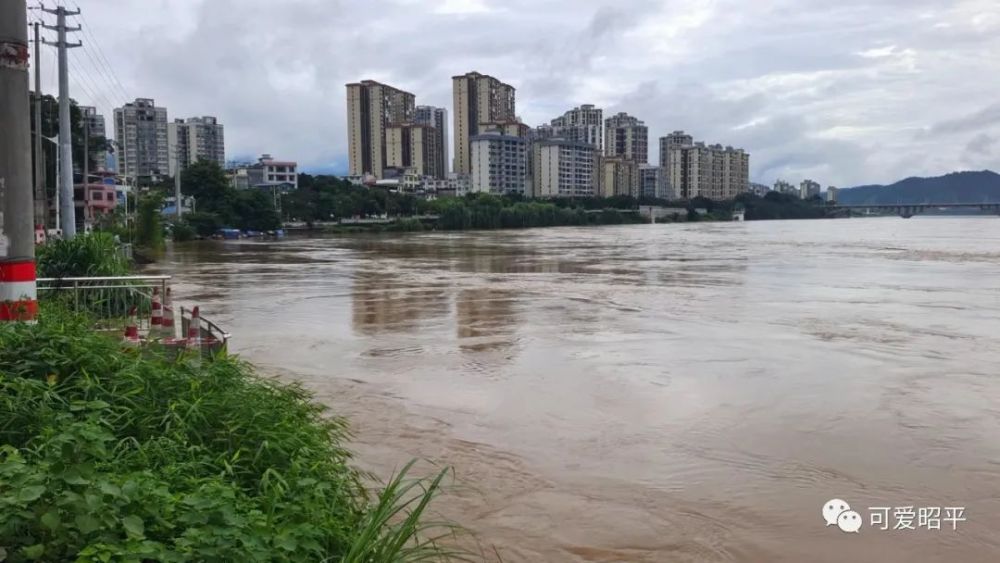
[[97, 68], [100, 53]]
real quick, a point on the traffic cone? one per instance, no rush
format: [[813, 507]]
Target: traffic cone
[[132, 329], [168, 317], [156, 315]]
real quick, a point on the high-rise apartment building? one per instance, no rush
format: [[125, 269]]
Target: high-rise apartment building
[[673, 140], [499, 163], [563, 168], [626, 137], [619, 177], [193, 139], [784, 187], [141, 136], [478, 99], [694, 169], [653, 182], [96, 127], [584, 124], [371, 108], [414, 146], [808, 189], [438, 119]]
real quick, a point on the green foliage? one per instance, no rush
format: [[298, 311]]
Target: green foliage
[[182, 231], [50, 128], [149, 223], [406, 225], [486, 211], [93, 254], [254, 210], [244, 209], [204, 224], [777, 205], [111, 455]]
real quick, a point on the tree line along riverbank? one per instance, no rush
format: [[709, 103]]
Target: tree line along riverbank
[[322, 200]]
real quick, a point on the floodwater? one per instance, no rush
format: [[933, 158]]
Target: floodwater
[[688, 392]]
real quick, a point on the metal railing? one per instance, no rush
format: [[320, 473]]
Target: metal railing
[[109, 299], [210, 332]]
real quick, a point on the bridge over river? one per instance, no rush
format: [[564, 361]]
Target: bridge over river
[[907, 210]]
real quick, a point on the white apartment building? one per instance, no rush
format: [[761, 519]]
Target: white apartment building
[[627, 137], [564, 168], [784, 187], [193, 139], [831, 194], [477, 99], [499, 163], [141, 136], [267, 173], [371, 108], [808, 189]]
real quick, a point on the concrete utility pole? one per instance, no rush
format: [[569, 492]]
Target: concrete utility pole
[[41, 198], [17, 235], [177, 188], [86, 161], [65, 132]]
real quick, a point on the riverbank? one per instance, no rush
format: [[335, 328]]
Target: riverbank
[[111, 453]]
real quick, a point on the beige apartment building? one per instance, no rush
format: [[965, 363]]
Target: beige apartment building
[[478, 99], [619, 176], [438, 119], [583, 124], [694, 169], [371, 108], [626, 137], [413, 146]]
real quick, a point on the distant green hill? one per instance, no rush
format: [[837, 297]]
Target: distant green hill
[[957, 187]]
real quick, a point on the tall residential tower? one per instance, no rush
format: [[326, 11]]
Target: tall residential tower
[[194, 139], [371, 108], [141, 135], [626, 137], [584, 124], [438, 119], [478, 99]]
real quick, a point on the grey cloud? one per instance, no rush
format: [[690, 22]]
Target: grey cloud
[[780, 78], [985, 117], [981, 144]]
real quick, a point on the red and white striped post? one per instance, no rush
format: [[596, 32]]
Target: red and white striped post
[[132, 329], [168, 316], [156, 315], [18, 293]]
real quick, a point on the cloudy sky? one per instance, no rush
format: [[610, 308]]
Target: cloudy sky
[[845, 92]]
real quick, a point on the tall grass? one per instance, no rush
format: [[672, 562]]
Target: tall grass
[[89, 255], [93, 254], [112, 454]]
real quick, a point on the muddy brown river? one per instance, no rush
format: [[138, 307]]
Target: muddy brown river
[[691, 392]]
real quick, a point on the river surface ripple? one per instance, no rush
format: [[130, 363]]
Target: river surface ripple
[[689, 392]]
